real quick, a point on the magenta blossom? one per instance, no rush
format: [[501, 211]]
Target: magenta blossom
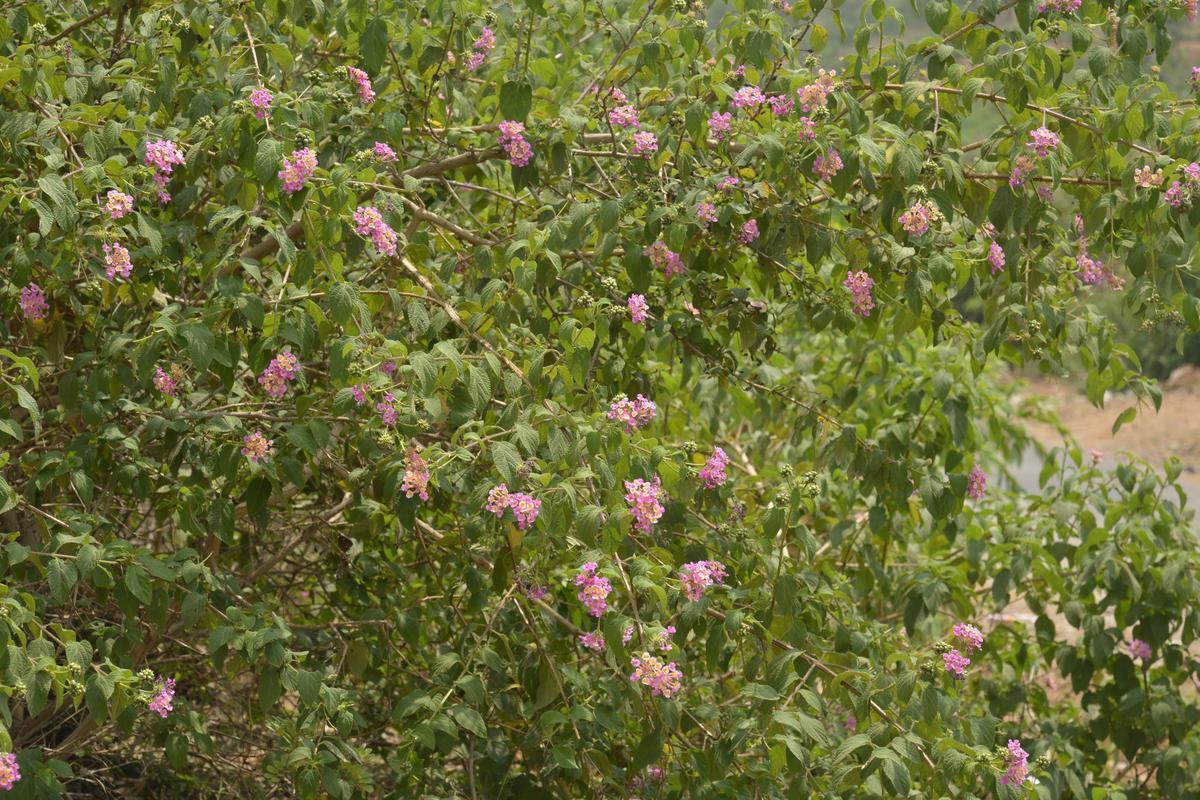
[[976, 483], [33, 303], [297, 169], [645, 144], [118, 204], [713, 473], [634, 414], [10, 771], [366, 93], [593, 640], [257, 447], [638, 309], [261, 100], [416, 474], [514, 144], [971, 635], [860, 284], [593, 589], [369, 222], [697, 576], [749, 232], [719, 125], [664, 258], [161, 702], [645, 502], [956, 663], [664, 680], [1018, 765]]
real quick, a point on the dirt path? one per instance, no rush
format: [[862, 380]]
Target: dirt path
[[1153, 437]]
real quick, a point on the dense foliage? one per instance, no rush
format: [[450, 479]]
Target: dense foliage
[[389, 382]]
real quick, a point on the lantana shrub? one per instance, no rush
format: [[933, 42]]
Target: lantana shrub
[[301, 299]]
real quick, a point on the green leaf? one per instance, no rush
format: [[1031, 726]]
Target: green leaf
[[373, 44], [138, 583], [1124, 418], [469, 719], [649, 749], [481, 388], [62, 576], [200, 343], [267, 160], [516, 98], [507, 460]]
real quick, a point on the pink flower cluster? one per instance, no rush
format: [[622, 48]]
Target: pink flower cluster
[[261, 100], [361, 393], [637, 309], [118, 204], [480, 49], [1023, 166], [297, 169], [257, 447], [1139, 649], [976, 483], [664, 639], [749, 232], [719, 125], [664, 680], [1092, 272], [387, 410], [635, 414], [748, 97], [624, 117], [33, 303], [593, 589], [525, 508], [10, 771], [713, 473], [116, 261], [916, 220], [1061, 6], [498, 500], [384, 152], [161, 702], [1018, 765], [644, 499], [827, 165], [1042, 141], [366, 93], [168, 382], [860, 284], [697, 576], [416, 474], [163, 155], [1180, 194], [283, 369], [995, 257], [816, 94], [706, 214], [956, 663], [369, 222], [593, 640], [664, 258], [514, 144], [1145, 179], [781, 104], [728, 183], [971, 636], [645, 144]]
